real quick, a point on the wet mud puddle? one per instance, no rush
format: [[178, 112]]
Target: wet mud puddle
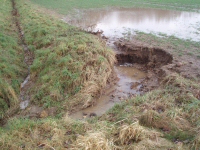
[[127, 85]]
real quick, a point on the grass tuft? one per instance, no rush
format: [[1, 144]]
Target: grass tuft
[[93, 141], [131, 133]]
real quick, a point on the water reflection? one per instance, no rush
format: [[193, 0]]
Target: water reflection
[[116, 21]]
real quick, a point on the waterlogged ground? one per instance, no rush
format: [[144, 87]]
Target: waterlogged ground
[[122, 22]]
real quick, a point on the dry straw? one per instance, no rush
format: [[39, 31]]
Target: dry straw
[[133, 132], [93, 141]]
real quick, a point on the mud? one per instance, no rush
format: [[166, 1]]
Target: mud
[[123, 23]]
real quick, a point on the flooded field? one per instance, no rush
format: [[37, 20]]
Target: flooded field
[[122, 22]]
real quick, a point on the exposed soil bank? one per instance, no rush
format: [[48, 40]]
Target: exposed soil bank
[[158, 61], [155, 62], [151, 60], [117, 26], [152, 57]]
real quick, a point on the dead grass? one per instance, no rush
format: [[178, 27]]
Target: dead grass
[[131, 133], [172, 110], [93, 141]]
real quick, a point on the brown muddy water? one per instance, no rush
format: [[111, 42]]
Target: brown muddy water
[[128, 85], [123, 22]]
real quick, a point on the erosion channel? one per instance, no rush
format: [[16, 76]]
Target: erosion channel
[[138, 68]]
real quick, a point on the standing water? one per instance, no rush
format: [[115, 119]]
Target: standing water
[[116, 22]]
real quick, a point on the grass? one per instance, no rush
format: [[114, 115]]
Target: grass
[[123, 127], [93, 140], [67, 6], [12, 66], [131, 133], [70, 67]]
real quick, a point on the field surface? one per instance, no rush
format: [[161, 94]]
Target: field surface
[[66, 6]]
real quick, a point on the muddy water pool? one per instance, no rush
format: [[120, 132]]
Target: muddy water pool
[[128, 84], [121, 22]]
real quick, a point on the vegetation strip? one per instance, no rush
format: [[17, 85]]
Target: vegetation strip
[[68, 6]]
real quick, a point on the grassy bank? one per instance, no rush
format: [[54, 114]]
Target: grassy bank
[[66, 6], [12, 66], [70, 67]]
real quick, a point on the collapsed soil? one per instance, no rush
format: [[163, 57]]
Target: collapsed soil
[[158, 62]]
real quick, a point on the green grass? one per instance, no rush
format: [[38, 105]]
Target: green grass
[[67, 6], [68, 62], [12, 66]]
